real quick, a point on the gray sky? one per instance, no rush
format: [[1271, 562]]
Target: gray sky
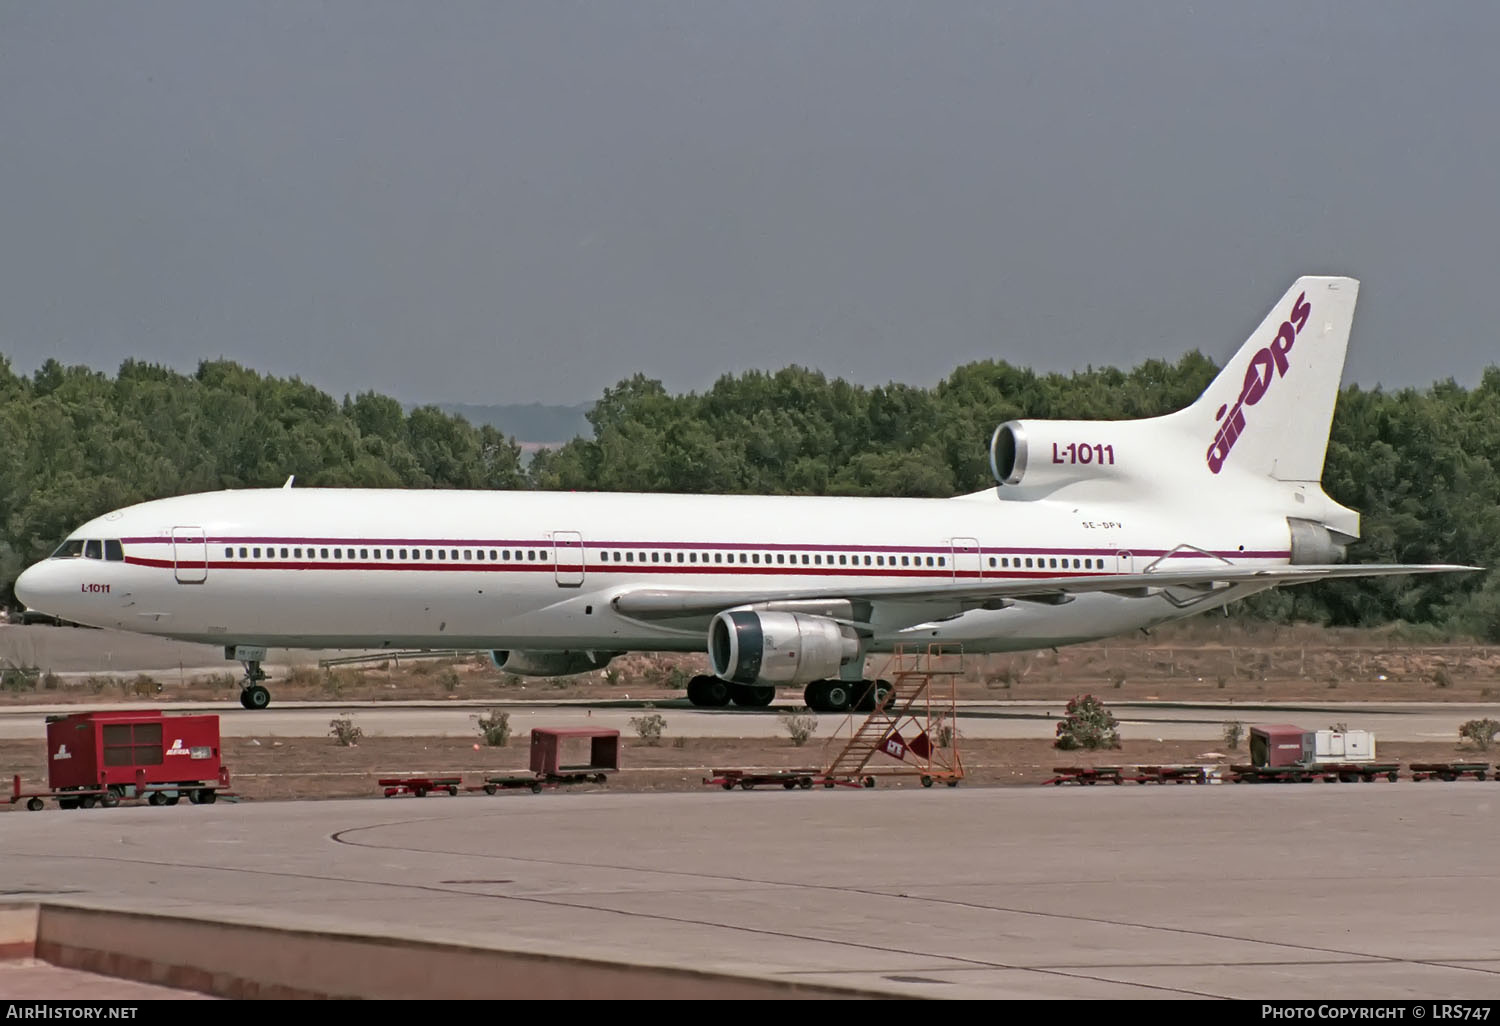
[[506, 202]]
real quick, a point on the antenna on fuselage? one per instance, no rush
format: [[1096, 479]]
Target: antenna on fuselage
[[289, 481]]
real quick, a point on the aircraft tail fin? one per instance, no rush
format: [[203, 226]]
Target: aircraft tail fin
[[1269, 411]]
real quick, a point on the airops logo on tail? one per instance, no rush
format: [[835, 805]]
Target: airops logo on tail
[[1258, 378]]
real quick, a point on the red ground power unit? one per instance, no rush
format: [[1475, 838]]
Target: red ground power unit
[[99, 749]]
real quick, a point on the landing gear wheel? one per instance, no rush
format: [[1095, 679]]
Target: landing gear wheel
[[838, 695], [708, 692], [255, 697], [35, 805], [752, 696], [871, 694]]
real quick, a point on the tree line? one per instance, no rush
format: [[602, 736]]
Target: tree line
[[1419, 465]]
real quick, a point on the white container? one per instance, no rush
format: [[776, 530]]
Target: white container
[[1344, 746]]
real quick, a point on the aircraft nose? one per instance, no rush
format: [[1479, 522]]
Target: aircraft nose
[[29, 589]]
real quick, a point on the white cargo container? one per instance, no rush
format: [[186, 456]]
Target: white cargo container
[[1344, 746]]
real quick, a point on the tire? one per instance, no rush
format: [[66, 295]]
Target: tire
[[453, 792], [749, 696], [420, 792], [838, 696], [926, 781], [257, 697], [788, 784], [207, 797], [35, 805], [110, 799], [88, 801], [729, 785], [490, 789], [536, 788], [869, 781], [708, 692], [806, 783]]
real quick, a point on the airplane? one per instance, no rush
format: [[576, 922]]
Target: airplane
[[1092, 529]]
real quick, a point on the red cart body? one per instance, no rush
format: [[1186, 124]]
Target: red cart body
[[97, 749]]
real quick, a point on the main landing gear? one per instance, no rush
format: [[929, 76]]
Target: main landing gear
[[843, 695], [713, 693], [252, 694]]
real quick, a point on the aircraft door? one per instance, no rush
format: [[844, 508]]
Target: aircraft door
[[1124, 562], [966, 561], [189, 555], [568, 551]]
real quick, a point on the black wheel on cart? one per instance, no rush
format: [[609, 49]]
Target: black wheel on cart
[[452, 791], [1391, 777], [35, 805], [67, 803], [207, 796], [745, 785], [953, 783], [157, 798], [926, 781], [788, 784], [87, 802], [806, 783], [490, 789], [869, 781], [729, 785], [420, 792], [110, 798], [536, 787]]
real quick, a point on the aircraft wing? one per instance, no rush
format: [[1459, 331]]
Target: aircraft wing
[[671, 603]]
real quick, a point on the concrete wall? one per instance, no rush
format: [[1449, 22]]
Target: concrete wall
[[246, 961]]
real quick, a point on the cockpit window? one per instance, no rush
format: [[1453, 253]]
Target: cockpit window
[[93, 550], [70, 549], [113, 552]]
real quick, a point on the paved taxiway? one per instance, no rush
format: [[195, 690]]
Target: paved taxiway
[[1283, 891], [1396, 722]]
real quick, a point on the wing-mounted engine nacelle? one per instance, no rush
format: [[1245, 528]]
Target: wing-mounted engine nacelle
[[748, 647], [549, 664], [1052, 452]]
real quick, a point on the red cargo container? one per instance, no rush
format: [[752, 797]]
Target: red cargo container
[[1281, 744], [549, 747], [125, 750]]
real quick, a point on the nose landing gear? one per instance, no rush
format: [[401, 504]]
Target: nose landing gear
[[252, 694]]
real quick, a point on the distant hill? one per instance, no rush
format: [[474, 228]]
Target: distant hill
[[534, 425]]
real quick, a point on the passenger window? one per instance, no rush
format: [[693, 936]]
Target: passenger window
[[442, 553], [942, 561], [1028, 562], [929, 560], [804, 559], [283, 553], [843, 560], [755, 557], [656, 557], [630, 557], [992, 561], [228, 553], [468, 554], [692, 557], [718, 557], [679, 557], [257, 553], [324, 551], [429, 553], [363, 553]]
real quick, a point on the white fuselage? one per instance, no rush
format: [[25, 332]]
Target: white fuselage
[[335, 568]]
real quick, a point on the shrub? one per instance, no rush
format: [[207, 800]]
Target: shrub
[[1441, 678], [799, 725], [495, 728], [1234, 733], [649, 727], [345, 732], [1480, 733], [1089, 725]]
